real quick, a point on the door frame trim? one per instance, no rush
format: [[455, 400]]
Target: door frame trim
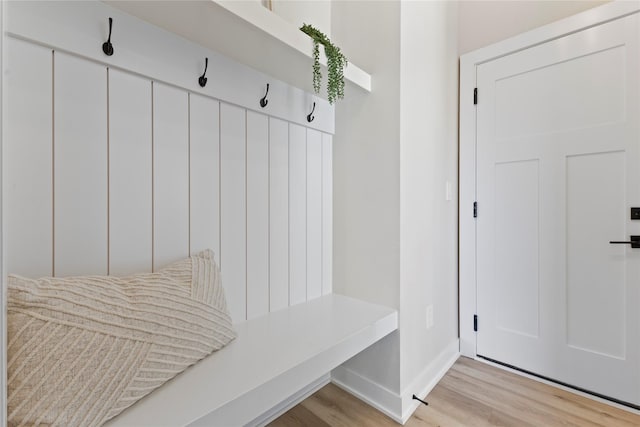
[[467, 162]]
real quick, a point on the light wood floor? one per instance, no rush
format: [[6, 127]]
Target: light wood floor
[[471, 394]]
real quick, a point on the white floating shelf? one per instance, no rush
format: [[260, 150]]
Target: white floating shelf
[[244, 31], [260, 17]]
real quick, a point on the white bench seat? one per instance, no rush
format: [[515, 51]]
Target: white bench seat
[[274, 357]]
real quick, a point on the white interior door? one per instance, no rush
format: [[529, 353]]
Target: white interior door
[[558, 157]]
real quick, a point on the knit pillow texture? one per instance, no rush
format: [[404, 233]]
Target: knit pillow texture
[[82, 349]]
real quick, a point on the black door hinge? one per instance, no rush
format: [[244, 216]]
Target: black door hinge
[[475, 322], [475, 209], [475, 96]]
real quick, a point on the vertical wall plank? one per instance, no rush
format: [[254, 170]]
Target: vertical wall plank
[[205, 174], [327, 214], [233, 214], [130, 176], [278, 214], [257, 214], [170, 175], [80, 166], [297, 214], [314, 214], [27, 150]]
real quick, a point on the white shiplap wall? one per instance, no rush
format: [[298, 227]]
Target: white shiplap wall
[[112, 171]]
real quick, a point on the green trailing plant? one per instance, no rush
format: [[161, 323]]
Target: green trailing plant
[[336, 62]]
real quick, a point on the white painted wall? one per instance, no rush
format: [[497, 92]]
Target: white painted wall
[[366, 164], [366, 157], [482, 22], [298, 12], [428, 222], [395, 236]]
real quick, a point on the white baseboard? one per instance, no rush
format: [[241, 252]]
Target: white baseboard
[[381, 398], [428, 379], [398, 407], [289, 403]]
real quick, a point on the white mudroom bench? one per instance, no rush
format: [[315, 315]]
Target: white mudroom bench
[[276, 360]]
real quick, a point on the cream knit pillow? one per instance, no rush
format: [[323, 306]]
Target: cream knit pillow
[[82, 349]]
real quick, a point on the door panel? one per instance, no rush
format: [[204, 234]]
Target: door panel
[[561, 87], [517, 197], [595, 273], [558, 150]]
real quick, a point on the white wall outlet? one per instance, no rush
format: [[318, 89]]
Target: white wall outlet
[[429, 316], [448, 191]]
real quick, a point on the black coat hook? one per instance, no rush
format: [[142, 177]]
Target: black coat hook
[[264, 101], [310, 117], [107, 47], [203, 80]]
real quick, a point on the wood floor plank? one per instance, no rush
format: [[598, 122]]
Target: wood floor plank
[[339, 408], [300, 416], [507, 401], [433, 417], [472, 393], [470, 411], [560, 400]]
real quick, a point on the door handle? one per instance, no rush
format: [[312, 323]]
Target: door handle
[[634, 242]]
